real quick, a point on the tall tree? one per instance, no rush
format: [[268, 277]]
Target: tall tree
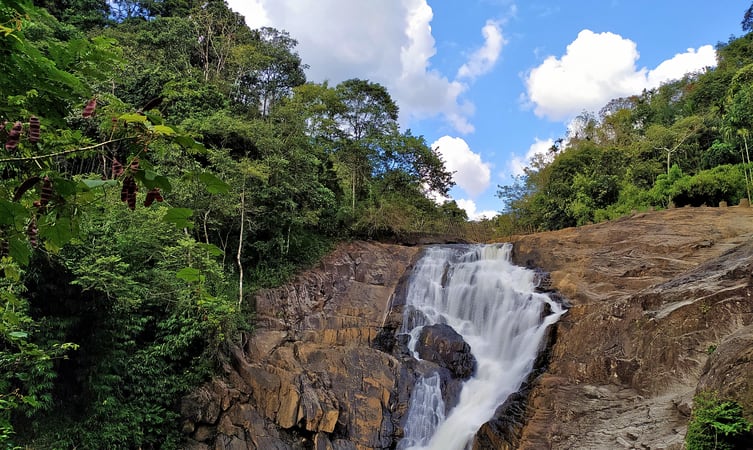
[[266, 70], [368, 113]]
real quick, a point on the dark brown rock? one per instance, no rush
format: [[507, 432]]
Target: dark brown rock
[[442, 345]]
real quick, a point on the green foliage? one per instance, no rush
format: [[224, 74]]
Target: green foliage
[[158, 308], [716, 424], [171, 156], [685, 142], [708, 187]]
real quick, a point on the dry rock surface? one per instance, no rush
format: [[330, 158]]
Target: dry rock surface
[[309, 376], [661, 308]]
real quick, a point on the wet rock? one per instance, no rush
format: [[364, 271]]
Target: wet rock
[[442, 345]]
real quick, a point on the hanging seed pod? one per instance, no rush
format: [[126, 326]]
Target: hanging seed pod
[[15, 134], [135, 164], [32, 232], [33, 129], [4, 248], [151, 196], [25, 186], [46, 191], [117, 168], [128, 192], [126, 187], [89, 108], [131, 200]]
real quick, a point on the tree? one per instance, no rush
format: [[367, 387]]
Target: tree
[[747, 22], [267, 70], [217, 30], [83, 14], [367, 114]]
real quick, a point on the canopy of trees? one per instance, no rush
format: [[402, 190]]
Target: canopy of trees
[[683, 143], [159, 161]]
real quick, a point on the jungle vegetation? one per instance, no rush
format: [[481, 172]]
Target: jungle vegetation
[[160, 162]]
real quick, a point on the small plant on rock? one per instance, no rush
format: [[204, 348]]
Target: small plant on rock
[[716, 424]]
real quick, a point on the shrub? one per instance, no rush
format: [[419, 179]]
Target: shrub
[[716, 424]]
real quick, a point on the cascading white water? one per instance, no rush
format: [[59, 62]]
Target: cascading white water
[[426, 412], [493, 305]]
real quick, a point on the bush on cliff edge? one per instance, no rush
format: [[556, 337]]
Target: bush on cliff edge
[[717, 424]]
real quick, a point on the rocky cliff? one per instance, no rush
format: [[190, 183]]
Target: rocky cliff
[[309, 376], [661, 307]]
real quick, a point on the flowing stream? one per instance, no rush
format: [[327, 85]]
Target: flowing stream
[[492, 304]]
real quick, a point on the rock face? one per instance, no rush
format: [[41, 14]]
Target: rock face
[[309, 377], [661, 307], [652, 296], [443, 346]]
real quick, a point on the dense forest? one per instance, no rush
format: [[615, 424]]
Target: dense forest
[[683, 143], [161, 161]]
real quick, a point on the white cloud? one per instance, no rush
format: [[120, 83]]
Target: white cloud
[[484, 59], [387, 42], [598, 67], [254, 12], [518, 163], [470, 208], [682, 63], [471, 174]]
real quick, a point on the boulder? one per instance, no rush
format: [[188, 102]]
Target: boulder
[[442, 345]]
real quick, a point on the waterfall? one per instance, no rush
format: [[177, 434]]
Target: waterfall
[[490, 302]]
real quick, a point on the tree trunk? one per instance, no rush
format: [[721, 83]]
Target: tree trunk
[[240, 245]]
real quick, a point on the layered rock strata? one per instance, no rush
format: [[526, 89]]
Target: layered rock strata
[[309, 376], [661, 308]]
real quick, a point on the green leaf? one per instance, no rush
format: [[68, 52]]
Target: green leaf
[[214, 185], [152, 179], [64, 187], [56, 234], [18, 334], [13, 214], [19, 250], [189, 274], [133, 118], [155, 118], [211, 249], [163, 129], [189, 143], [179, 216], [97, 183]]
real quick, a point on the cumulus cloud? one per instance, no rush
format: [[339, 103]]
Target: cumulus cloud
[[682, 63], [471, 173], [598, 67], [386, 42], [517, 164], [470, 208], [484, 59]]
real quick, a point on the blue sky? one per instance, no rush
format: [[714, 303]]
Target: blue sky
[[489, 82]]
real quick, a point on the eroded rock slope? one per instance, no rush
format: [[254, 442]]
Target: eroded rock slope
[[661, 307]]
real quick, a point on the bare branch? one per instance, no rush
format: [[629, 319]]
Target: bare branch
[[64, 152]]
